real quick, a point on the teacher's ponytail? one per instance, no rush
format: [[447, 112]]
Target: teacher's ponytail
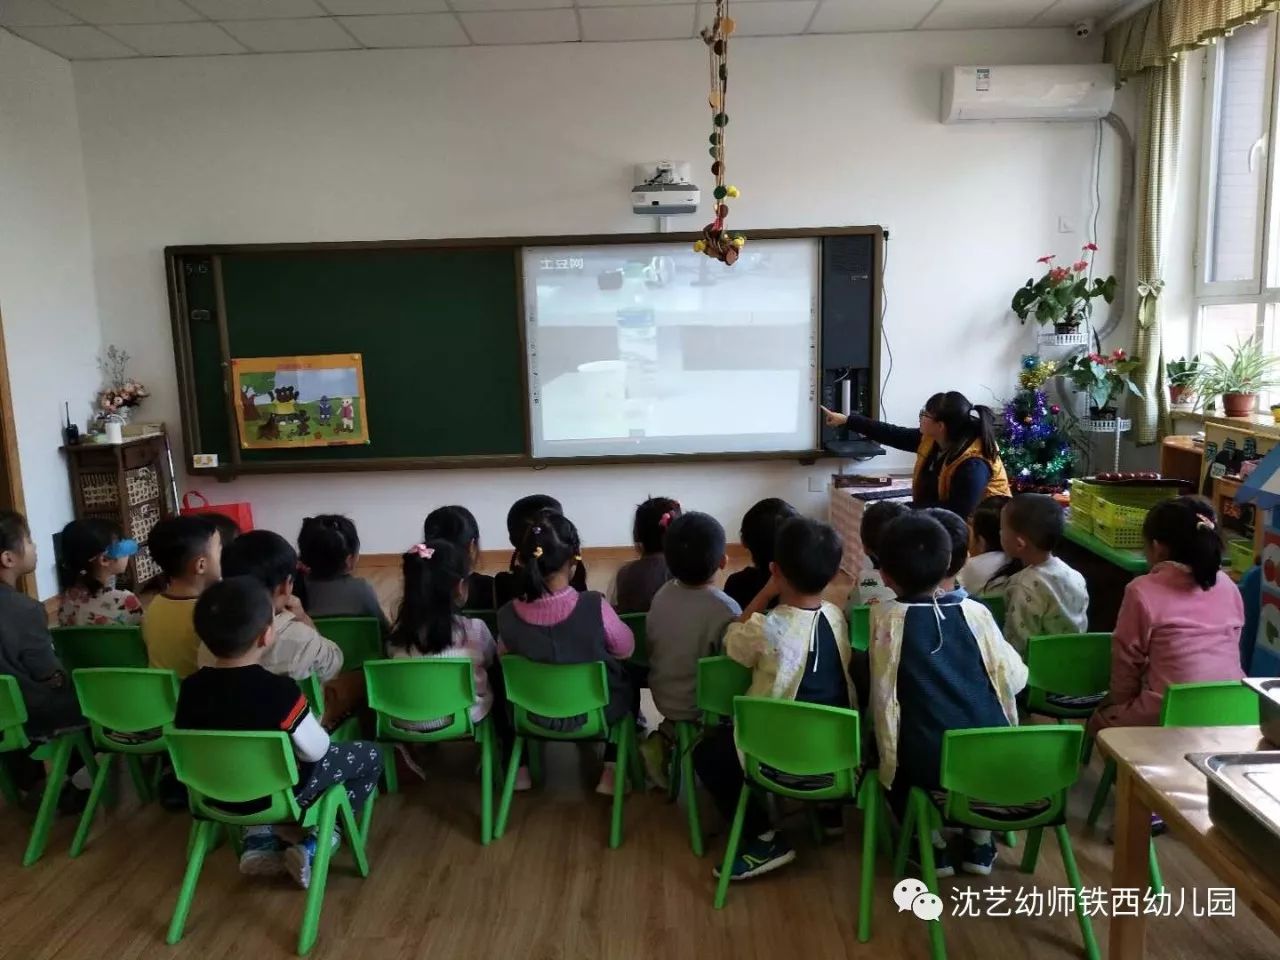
[[965, 422], [985, 425]]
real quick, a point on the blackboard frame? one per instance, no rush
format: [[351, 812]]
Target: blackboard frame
[[184, 358]]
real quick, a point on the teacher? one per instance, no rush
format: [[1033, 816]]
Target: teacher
[[957, 462]]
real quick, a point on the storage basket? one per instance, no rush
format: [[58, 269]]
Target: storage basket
[[1240, 550]]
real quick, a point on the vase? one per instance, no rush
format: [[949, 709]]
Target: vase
[[1180, 397], [1066, 327], [1102, 413], [1239, 404]]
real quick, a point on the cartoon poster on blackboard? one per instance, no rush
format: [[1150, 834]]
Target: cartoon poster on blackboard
[[284, 402]]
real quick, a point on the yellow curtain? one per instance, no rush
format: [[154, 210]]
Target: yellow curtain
[[1156, 35]]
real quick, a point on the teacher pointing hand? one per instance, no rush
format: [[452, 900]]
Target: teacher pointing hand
[[957, 462]]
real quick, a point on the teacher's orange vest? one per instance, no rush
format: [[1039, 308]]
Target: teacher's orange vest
[[997, 486]]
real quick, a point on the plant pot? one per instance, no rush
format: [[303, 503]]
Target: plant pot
[[1239, 404], [1180, 396], [1066, 327], [1102, 413]]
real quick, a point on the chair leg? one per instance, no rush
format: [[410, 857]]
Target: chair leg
[[354, 836], [1032, 854], [690, 780], [508, 788], [675, 767], [233, 835], [869, 801], [139, 777], [366, 817], [7, 788], [731, 847], [91, 807], [1153, 866], [49, 802], [535, 761], [622, 768], [1011, 839], [1086, 752], [904, 840], [1073, 877], [485, 736], [319, 869], [1104, 788], [924, 835], [638, 778], [389, 768], [202, 836]]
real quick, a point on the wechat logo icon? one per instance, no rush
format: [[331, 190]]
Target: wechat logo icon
[[913, 895]]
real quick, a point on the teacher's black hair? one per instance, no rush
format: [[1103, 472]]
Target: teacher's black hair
[[965, 422]]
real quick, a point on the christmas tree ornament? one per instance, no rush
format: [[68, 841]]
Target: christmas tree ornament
[[1034, 443], [715, 242]]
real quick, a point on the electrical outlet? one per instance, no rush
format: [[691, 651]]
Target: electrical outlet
[[1065, 225], [818, 484]]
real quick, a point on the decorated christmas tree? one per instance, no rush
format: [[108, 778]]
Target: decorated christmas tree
[[1034, 442]]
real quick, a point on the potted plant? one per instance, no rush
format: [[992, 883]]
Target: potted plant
[[1102, 378], [1064, 295], [122, 393], [1239, 378], [1181, 374]]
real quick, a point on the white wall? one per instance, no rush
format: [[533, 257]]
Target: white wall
[[46, 277], [540, 140]]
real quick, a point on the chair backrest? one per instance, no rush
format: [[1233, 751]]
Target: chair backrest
[[636, 621], [81, 648], [224, 767], [489, 617], [126, 700], [801, 739], [420, 689], [720, 679], [1010, 767], [860, 627], [359, 638], [995, 603], [1227, 703], [557, 691], [313, 690], [13, 715], [1071, 664]]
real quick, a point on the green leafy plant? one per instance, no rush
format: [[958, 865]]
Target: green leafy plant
[[1064, 295], [1247, 369], [1101, 377], [1182, 372]]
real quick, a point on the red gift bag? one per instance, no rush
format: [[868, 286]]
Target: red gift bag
[[240, 513]]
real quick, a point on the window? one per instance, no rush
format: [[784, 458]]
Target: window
[[1238, 250]]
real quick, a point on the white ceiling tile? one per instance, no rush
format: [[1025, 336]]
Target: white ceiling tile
[[626, 3], [467, 6], [865, 16], [521, 26], [257, 9], [32, 13], [75, 43], [412, 30], [769, 18], [361, 8], [1066, 13], [637, 23], [984, 14], [130, 11], [286, 36], [175, 39]]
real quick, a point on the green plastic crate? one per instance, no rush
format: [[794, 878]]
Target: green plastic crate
[[1240, 551]]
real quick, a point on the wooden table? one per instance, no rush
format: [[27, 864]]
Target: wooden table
[[1152, 774], [1107, 571]]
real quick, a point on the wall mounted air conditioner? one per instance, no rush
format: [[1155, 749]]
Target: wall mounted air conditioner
[[1069, 92]]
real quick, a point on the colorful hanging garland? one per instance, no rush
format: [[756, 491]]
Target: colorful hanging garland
[[715, 241]]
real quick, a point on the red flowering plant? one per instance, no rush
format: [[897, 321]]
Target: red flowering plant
[[1102, 377], [1064, 295]]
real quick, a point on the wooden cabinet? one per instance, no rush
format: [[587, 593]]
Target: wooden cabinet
[[129, 483]]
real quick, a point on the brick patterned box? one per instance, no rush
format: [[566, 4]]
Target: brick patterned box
[[845, 514]]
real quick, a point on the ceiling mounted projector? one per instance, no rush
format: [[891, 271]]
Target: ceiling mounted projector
[[663, 189]]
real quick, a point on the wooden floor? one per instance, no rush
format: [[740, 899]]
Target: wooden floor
[[550, 888]]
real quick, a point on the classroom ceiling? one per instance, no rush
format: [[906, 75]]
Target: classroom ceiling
[[121, 29]]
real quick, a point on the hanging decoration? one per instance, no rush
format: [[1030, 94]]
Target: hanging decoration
[[716, 242]]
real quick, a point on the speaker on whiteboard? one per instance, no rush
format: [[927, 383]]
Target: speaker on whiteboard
[[848, 265]]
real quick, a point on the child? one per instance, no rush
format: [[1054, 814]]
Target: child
[[758, 532], [298, 650], [938, 663], [1180, 623], [189, 551], [1046, 596], [798, 651], [233, 619], [638, 581], [551, 622], [987, 571], [877, 515], [329, 549], [93, 555], [958, 534], [507, 586], [458, 526]]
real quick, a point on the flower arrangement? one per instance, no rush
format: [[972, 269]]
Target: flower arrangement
[[1102, 378], [1064, 295], [122, 392]]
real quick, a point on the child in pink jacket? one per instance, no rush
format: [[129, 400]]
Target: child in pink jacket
[[1180, 623]]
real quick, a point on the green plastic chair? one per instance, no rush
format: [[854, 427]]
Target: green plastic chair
[[1069, 664], [418, 690], [220, 767], [995, 603], [123, 700], [636, 621], [804, 739], [359, 638], [81, 648], [313, 689], [1024, 772], [859, 618], [562, 691], [57, 751]]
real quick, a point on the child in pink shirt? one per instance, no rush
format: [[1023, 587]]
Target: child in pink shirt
[[1180, 623], [551, 622]]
